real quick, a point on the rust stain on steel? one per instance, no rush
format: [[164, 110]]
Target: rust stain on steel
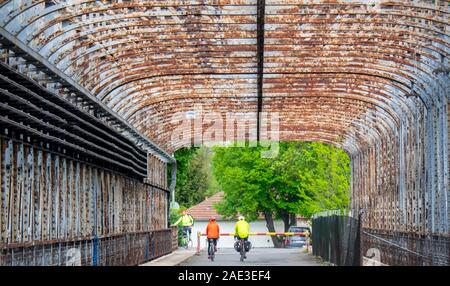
[[368, 76], [66, 193], [49, 200]]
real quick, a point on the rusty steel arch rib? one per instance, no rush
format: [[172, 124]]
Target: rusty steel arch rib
[[369, 76]]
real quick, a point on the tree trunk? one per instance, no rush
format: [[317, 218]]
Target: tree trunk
[[271, 228], [293, 219], [285, 218]]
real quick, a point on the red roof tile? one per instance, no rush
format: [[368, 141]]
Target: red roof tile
[[205, 209]]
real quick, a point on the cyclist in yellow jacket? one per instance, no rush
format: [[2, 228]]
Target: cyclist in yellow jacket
[[187, 221], [242, 230]]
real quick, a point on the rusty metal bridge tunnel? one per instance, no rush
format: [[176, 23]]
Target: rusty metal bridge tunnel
[[89, 90]]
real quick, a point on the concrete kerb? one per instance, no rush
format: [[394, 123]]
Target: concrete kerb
[[172, 259]]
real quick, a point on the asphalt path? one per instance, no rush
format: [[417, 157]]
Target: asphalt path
[[256, 257]]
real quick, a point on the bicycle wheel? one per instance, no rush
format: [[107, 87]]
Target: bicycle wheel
[[211, 251], [185, 241], [242, 250], [189, 242]]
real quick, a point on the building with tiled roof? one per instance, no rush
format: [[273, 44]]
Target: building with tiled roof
[[205, 209]]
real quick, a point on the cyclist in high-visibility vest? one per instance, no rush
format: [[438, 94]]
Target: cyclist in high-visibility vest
[[187, 221], [242, 230]]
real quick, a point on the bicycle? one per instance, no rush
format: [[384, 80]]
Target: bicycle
[[186, 240], [211, 249], [242, 249]]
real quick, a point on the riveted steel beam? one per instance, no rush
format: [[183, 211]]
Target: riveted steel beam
[[42, 63], [261, 8]]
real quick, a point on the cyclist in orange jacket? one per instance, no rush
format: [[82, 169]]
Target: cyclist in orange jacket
[[212, 233]]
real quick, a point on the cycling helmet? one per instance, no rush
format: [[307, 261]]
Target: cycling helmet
[[241, 218]]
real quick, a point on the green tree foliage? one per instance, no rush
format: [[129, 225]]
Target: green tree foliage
[[305, 177], [194, 176]]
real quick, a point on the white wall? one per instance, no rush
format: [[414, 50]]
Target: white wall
[[228, 226]]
